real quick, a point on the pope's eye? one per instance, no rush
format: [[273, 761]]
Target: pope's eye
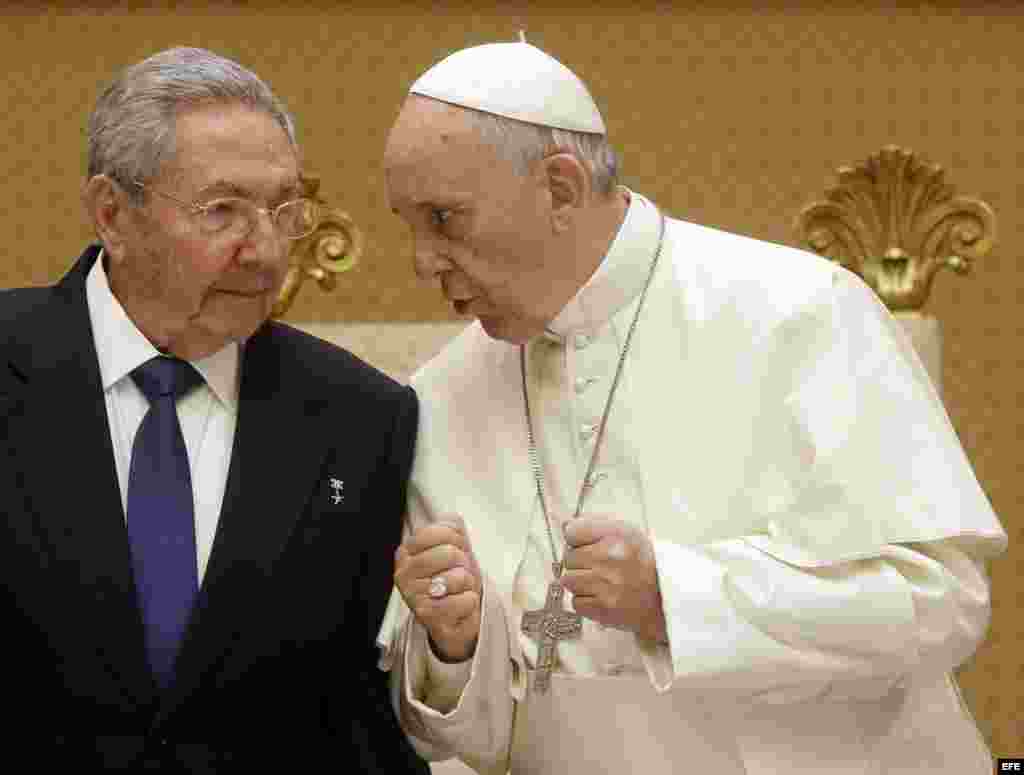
[[440, 217]]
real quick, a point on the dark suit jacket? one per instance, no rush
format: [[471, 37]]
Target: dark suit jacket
[[278, 667]]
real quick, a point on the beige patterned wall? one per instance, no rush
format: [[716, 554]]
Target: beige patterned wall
[[733, 115]]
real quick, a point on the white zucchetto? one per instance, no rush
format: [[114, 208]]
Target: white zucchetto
[[515, 80]]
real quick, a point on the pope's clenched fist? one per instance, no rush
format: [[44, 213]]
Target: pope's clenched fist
[[439, 579]]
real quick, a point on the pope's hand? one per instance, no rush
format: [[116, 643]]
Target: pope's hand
[[611, 572], [439, 579]]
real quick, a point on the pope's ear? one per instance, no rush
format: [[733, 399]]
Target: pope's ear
[[108, 207], [569, 183]]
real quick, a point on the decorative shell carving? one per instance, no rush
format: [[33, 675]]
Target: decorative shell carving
[[895, 222], [334, 247]]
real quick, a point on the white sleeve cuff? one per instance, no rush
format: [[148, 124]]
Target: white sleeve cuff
[[446, 680], [436, 688], [657, 659]]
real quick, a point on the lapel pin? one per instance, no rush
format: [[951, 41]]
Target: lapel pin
[[337, 485]]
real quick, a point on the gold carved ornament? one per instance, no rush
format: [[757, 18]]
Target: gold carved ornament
[[895, 222], [335, 246]]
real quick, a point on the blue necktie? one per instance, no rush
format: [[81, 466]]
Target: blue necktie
[[161, 527]]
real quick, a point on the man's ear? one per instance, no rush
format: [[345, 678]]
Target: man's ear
[[109, 209], [569, 183]]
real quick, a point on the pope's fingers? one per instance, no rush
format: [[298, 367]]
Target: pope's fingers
[[591, 607], [414, 575], [615, 549], [447, 583], [433, 561], [448, 611], [438, 534], [580, 582], [584, 531], [586, 606], [585, 557], [573, 559]]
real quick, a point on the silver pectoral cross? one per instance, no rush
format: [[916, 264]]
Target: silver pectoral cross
[[547, 626]]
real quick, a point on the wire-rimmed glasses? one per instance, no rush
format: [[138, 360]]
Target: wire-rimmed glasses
[[235, 217]]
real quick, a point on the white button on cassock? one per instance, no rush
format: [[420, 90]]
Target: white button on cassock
[[595, 477], [587, 430], [582, 383], [581, 341]]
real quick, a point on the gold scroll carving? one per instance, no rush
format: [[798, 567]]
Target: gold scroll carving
[[894, 221], [334, 247]]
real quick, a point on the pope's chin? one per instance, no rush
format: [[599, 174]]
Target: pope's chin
[[511, 331]]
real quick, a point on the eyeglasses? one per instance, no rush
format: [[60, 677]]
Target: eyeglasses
[[234, 217]]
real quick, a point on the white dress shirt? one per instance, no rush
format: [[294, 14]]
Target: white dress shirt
[[207, 414]]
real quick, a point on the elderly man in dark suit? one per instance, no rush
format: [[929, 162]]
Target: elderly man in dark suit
[[200, 507]]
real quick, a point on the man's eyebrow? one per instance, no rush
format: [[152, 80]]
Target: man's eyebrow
[[290, 189], [411, 203], [223, 187], [445, 199]]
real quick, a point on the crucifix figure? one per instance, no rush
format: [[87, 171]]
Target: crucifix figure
[[549, 625]]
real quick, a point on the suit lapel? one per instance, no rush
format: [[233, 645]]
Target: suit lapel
[[61, 434], [277, 453]]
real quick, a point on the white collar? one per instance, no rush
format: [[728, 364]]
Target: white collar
[[619, 278], [122, 348]]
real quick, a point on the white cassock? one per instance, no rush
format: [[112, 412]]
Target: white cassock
[[819, 534]]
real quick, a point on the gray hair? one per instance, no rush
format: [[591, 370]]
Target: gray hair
[[132, 128], [523, 144]]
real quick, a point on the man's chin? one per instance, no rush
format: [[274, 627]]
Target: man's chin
[[207, 334], [233, 306], [259, 296]]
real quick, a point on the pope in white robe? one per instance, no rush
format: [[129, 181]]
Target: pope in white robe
[[818, 534]]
